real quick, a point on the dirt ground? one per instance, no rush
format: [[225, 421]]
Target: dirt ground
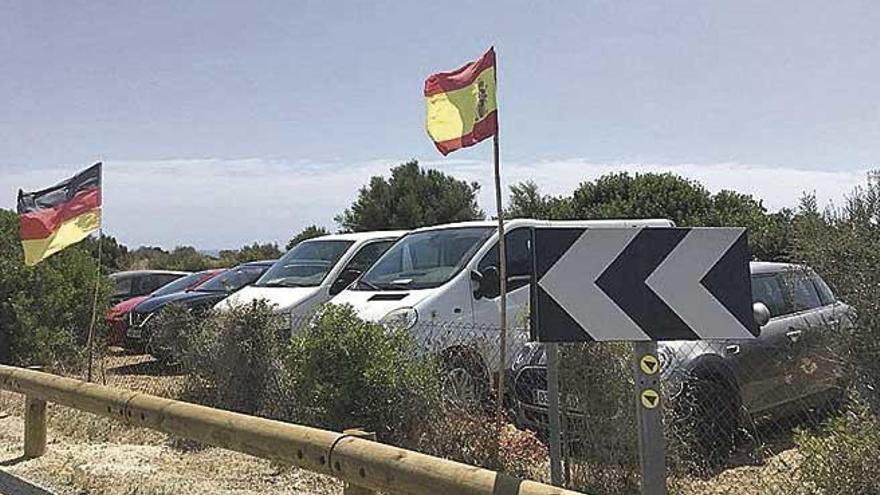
[[92, 455]]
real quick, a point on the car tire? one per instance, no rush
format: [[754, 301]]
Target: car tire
[[464, 380], [706, 421]]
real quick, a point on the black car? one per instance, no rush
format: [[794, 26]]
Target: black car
[[201, 298]]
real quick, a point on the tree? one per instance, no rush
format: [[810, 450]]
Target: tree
[[652, 195], [253, 252], [412, 197], [768, 233], [113, 254], [305, 234], [649, 195], [526, 201]]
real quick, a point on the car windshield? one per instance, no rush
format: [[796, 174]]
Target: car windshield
[[179, 285], [424, 260], [305, 265], [122, 286], [233, 279]]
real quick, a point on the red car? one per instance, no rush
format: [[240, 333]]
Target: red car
[[117, 316]]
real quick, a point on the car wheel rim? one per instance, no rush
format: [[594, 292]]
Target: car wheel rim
[[459, 386]]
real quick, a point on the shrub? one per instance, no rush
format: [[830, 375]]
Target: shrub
[[596, 380], [170, 334], [469, 436], [232, 357], [841, 458], [344, 372], [46, 310], [843, 245]]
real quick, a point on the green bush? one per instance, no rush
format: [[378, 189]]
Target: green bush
[[46, 310], [843, 245], [233, 357], [173, 334], [596, 380], [842, 457], [344, 372]]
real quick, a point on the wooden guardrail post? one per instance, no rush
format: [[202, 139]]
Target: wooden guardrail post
[[35, 424], [351, 489], [34, 427]]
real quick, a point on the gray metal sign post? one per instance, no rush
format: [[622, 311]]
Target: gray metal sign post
[[641, 284], [553, 412], [649, 406]]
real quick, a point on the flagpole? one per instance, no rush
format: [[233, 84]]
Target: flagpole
[[502, 275], [91, 338]]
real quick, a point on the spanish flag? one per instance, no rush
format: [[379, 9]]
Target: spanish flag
[[61, 215], [461, 105]]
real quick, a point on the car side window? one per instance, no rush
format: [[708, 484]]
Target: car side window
[[802, 291], [517, 247], [368, 255], [768, 290], [826, 296]]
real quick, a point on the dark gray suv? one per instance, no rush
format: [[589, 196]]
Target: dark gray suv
[[787, 368]]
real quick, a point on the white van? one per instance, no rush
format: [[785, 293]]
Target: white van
[[313, 271], [441, 284]]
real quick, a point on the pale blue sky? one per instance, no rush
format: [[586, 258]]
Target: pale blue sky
[[312, 88]]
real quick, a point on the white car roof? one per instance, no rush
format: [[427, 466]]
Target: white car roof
[[361, 236], [530, 222], [757, 267]]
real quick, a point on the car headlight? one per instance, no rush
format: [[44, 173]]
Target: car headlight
[[400, 319], [524, 356]]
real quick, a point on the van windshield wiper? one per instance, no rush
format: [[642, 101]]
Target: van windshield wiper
[[369, 285], [395, 285], [280, 282]]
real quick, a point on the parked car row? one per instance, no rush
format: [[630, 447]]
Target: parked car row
[[118, 316], [435, 280]]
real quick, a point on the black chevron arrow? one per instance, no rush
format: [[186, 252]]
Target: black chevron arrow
[[624, 282]]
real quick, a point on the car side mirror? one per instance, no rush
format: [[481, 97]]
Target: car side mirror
[[344, 280], [487, 282], [761, 313]]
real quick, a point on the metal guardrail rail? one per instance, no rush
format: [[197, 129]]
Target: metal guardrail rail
[[366, 466]]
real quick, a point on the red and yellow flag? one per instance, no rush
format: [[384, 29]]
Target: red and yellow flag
[[61, 215], [461, 105]]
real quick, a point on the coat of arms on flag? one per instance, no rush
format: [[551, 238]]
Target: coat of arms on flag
[[461, 105]]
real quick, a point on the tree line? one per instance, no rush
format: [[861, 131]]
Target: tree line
[[51, 302]]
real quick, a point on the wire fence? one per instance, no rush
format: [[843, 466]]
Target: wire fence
[[794, 411]]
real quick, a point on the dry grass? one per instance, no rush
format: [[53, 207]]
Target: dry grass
[[774, 475], [89, 454]]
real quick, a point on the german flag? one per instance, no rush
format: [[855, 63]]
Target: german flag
[[461, 106], [59, 216]]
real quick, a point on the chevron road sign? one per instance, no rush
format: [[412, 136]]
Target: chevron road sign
[[641, 284]]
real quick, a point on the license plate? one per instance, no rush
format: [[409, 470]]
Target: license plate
[[133, 332], [542, 398], [570, 401]]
